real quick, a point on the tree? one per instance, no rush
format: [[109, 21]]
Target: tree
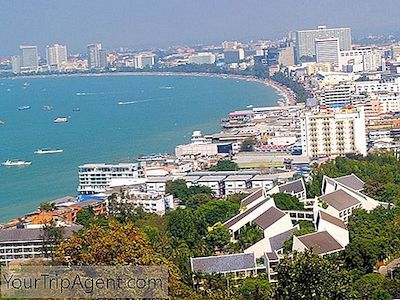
[[179, 189], [52, 235], [47, 206], [308, 276], [248, 145], [248, 236], [218, 237], [218, 211], [225, 165], [371, 286], [118, 244], [256, 288], [197, 200], [85, 216], [285, 201]]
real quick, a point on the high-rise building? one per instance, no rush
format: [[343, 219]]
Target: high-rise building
[[286, 56], [103, 59], [327, 51], [360, 60], [337, 96], [202, 58], [29, 58], [332, 133], [305, 40], [94, 56], [233, 56], [230, 45], [145, 60], [16, 64], [56, 56]]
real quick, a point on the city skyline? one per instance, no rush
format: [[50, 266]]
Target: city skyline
[[151, 24]]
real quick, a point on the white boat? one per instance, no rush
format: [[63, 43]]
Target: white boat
[[61, 120], [48, 151], [2, 122], [16, 163]]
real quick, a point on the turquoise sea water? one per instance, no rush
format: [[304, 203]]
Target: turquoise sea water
[[103, 131]]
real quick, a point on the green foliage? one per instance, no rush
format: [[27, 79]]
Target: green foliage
[[247, 145], [218, 237], [301, 93], [380, 172], [85, 216], [197, 200], [371, 286], [218, 211], [308, 276], [287, 202], [225, 165], [179, 190], [248, 236], [256, 288], [47, 206]]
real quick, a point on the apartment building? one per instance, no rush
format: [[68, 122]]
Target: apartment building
[[97, 178], [333, 133]]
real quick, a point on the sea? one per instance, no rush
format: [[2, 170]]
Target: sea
[[158, 113]]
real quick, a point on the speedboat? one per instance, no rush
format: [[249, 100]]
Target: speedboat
[[60, 120], [48, 151], [25, 107], [16, 163], [2, 122], [47, 108], [76, 109]]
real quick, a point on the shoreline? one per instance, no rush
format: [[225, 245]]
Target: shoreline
[[286, 93]]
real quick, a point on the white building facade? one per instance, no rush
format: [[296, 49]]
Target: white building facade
[[334, 133]]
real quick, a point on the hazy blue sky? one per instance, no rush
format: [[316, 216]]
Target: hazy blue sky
[[147, 23]]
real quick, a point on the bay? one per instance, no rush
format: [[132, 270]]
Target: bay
[[161, 112]]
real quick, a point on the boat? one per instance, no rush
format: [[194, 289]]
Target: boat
[[249, 106], [2, 122], [126, 102], [25, 107], [26, 84], [60, 120], [48, 151], [76, 109], [47, 108], [16, 163]]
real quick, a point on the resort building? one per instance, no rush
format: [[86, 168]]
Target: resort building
[[97, 178], [204, 58], [336, 96], [25, 243], [295, 188], [391, 85], [334, 133]]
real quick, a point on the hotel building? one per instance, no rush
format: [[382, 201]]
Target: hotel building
[[332, 133], [97, 178]]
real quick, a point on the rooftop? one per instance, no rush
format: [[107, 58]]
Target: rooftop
[[269, 217], [295, 186], [320, 242], [251, 198], [351, 181], [340, 200], [30, 234], [240, 216], [223, 263], [277, 241], [331, 219], [238, 177]]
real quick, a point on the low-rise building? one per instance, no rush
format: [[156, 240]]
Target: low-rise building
[[237, 184], [25, 243]]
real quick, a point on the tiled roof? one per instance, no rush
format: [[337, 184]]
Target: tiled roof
[[340, 200], [272, 256], [331, 219], [269, 217], [30, 234], [223, 263], [320, 242], [351, 181], [296, 186], [277, 241], [252, 197], [240, 216]]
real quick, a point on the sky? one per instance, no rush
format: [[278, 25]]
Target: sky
[[159, 23]]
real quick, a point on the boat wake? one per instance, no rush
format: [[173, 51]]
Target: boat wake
[[140, 101]]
